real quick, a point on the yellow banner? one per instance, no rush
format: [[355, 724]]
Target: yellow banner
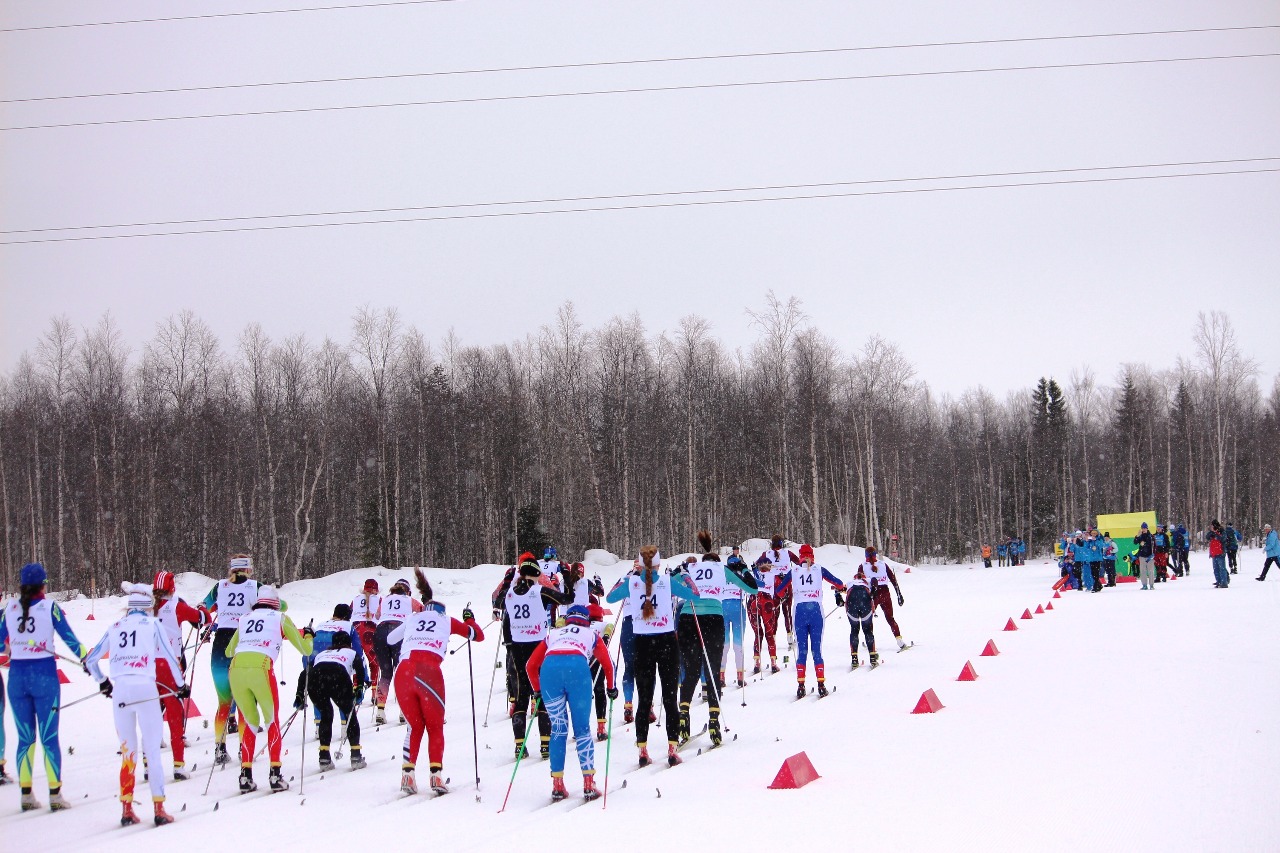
[[1126, 524]]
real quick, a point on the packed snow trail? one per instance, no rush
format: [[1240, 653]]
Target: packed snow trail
[[1117, 720]]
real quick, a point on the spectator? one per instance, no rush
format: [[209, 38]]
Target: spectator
[[986, 556], [1231, 542], [1271, 547], [1217, 553], [1109, 558], [1146, 556]]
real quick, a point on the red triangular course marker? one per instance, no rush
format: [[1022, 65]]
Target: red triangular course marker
[[990, 650], [968, 673], [1049, 606], [191, 709], [1057, 595], [1009, 626], [1039, 610], [1026, 614], [796, 772], [62, 678], [929, 703]]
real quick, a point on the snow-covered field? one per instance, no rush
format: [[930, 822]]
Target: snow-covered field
[[1117, 721]]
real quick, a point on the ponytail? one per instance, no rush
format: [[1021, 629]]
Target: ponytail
[[27, 593], [647, 553], [424, 588]]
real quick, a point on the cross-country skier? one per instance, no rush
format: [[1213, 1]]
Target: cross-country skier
[[700, 632], [806, 581], [396, 607], [172, 612], [335, 673], [325, 632], [420, 683], [5, 778], [657, 653], [762, 610], [881, 576], [734, 616], [366, 610], [782, 560], [28, 624], [230, 599], [136, 644], [860, 608], [627, 647], [558, 669], [527, 602], [254, 648]]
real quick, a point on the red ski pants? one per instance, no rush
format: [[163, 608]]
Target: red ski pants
[[762, 611], [884, 600], [365, 631], [420, 691], [173, 712]]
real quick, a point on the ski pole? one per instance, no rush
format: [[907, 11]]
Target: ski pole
[[475, 736], [608, 753], [186, 707], [167, 692], [711, 674], [492, 677], [77, 661], [467, 642], [524, 749], [302, 763], [85, 699]]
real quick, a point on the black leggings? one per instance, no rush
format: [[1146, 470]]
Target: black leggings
[[691, 646], [519, 654], [657, 658], [867, 625], [388, 656], [329, 686]]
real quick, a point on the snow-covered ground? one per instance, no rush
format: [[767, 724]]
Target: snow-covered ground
[[1117, 721]]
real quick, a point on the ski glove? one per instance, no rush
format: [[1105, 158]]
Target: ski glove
[[467, 615], [307, 632], [105, 687], [497, 615], [839, 599], [184, 692], [612, 693], [900, 600]]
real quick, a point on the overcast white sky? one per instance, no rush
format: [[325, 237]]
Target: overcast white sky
[[994, 286]]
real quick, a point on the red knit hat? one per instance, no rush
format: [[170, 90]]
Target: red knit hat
[[164, 581], [806, 551], [371, 585]]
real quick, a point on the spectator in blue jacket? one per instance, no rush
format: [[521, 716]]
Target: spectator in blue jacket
[[1231, 543], [1271, 547], [1002, 552]]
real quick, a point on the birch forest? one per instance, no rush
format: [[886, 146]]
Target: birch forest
[[388, 449]]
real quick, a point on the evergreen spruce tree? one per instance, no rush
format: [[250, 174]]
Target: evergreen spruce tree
[[531, 535], [373, 538]]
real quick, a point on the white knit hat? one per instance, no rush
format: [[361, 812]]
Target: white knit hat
[[267, 595], [139, 595]]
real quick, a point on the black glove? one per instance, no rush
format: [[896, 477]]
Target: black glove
[[184, 692], [467, 615], [105, 687], [596, 586], [899, 599], [497, 615], [307, 632], [612, 693], [839, 599]]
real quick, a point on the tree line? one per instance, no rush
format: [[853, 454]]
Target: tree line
[[386, 450]]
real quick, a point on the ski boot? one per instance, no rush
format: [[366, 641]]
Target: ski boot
[[558, 791], [742, 682], [30, 803], [357, 759], [408, 781], [276, 779], [247, 785], [57, 802], [673, 757], [180, 773], [773, 666], [380, 716], [601, 734], [589, 790], [326, 761], [800, 691], [401, 721], [720, 682], [713, 727], [902, 644], [628, 715], [233, 727], [127, 817], [653, 718], [822, 689], [855, 661], [161, 816], [519, 749], [875, 659], [437, 785], [544, 750], [6, 779], [220, 757], [645, 761], [756, 671], [683, 729]]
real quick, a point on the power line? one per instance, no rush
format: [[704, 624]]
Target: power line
[[224, 15], [635, 90], [668, 193], [628, 62], [501, 214]]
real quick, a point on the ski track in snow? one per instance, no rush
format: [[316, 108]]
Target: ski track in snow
[[1119, 720]]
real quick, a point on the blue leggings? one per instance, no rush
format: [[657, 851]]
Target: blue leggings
[[2, 718], [808, 623], [733, 620], [566, 691], [1086, 571], [628, 643], [34, 694]]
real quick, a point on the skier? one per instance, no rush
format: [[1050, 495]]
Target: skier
[[731, 604], [5, 778], [136, 644], [172, 612], [230, 599], [806, 580], [527, 601], [325, 632], [1270, 545], [700, 633], [396, 607], [860, 608], [28, 624], [881, 576], [782, 560], [1231, 543], [253, 649], [366, 609], [627, 647], [558, 669], [657, 652], [420, 683], [334, 672], [762, 610]]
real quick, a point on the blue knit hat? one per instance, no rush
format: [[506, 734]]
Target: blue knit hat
[[33, 574], [1144, 525]]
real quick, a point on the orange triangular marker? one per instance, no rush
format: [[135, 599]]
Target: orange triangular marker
[[929, 703], [1039, 610], [1057, 595], [1026, 614], [968, 673], [1049, 606], [990, 650], [62, 678], [191, 709], [1009, 626], [796, 772]]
